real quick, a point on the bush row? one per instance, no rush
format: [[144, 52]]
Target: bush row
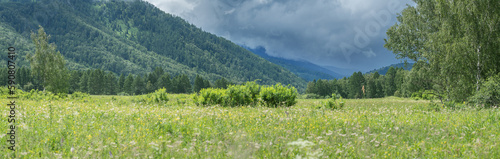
[[248, 94], [42, 95]]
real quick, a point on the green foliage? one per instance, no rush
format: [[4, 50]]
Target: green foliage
[[210, 96], [48, 64], [235, 95], [335, 102], [79, 95], [159, 96], [390, 84], [238, 95], [425, 95], [200, 83], [40, 95], [489, 94], [133, 37], [456, 42], [311, 96], [278, 95]]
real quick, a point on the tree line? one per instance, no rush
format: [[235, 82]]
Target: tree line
[[99, 82], [396, 82]]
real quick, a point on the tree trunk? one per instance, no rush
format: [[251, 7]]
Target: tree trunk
[[478, 75]]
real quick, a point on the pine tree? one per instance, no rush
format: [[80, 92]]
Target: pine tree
[[74, 81], [222, 83], [110, 84], [138, 85], [84, 80], [182, 84], [198, 83], [356, 83], [165, 82], [128, 85], [206, 84], [390, 85], [121, 83]]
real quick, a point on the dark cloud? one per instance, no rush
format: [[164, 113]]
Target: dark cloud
[[340, 33]]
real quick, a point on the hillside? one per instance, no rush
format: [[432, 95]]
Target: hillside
[[306, 70], [384, 70], [132, 38]]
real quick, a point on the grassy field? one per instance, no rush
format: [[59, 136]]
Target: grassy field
[[117, 127]]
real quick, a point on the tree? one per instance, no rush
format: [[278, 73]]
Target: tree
[[206, 84], [222, 83], [181, 84], [128, 85], [121, 82], [456, 42], [399, 80], [198, 83], [74, 81], [138, 85], [311, 87], [111, 83], [48, 64], [390, 84], [371, 91], [356, 83], [84, 80], [165, 82]]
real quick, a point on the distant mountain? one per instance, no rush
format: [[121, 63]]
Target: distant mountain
[[131, 37], [384, 70], [306, 70]]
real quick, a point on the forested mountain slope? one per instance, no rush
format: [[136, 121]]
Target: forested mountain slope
[[132, 37], [306, 70]]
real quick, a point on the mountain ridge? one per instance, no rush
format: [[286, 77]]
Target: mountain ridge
[[134, 37], [304, 69]]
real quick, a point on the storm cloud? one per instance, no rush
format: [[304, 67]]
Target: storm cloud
[[340, 33]]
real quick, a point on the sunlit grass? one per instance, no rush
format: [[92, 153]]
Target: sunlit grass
[[117, 127]]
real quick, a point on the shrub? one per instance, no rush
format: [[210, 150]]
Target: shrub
[[336, 102], [5, 92], [79, 95], [238, 95], [210, 96], [234, 95], [40, 95], [123, 94], [254, 89], [278, 95], [425, 95], [489, 94], [159, 96], [311, 96]]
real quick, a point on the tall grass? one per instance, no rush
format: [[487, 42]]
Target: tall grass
[[118, 127]]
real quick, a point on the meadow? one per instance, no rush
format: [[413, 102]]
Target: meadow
[[119, 127]]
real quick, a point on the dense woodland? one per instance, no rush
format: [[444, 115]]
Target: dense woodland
[[396, 82], [132, 37], [99, 82]]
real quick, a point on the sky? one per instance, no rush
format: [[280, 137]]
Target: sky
[[344, 34]]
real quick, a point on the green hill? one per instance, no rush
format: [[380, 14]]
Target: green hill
[[132, 37], [384, 70]]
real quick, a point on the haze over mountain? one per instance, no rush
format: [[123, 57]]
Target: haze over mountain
[[306, 70], [346, 34], [131, 37]]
